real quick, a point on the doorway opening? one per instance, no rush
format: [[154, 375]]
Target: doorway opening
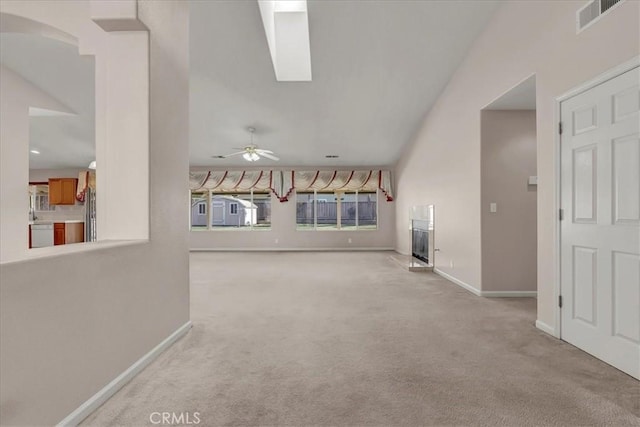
[[509, 193]]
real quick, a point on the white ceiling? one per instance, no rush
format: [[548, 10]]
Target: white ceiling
[[378, 67], [64, 141], [520, 97]]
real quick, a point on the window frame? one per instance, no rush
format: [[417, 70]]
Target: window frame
[[338, 196], [211, 227], [202, 208], [233, 205]]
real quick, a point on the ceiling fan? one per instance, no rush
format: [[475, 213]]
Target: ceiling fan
[[251, 152]]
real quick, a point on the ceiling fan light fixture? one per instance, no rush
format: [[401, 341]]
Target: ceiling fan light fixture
[[250, 157]]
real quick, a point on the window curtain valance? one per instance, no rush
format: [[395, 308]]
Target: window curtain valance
[[362, 180], [282, 183], [278, 182]]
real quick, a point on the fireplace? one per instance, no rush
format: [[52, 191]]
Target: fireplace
[[422, 233], [420, 240]]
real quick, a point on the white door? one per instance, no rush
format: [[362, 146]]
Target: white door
[[600, 232], [217, 213]]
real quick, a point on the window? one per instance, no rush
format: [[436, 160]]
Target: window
[[326, 211], [305, 211], [199, 210], [262, 201], [367, 211], [39, 198], [337, 211], [247, 211]]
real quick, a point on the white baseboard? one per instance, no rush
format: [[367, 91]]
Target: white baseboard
[[487, 294], [509, 294], [546, 328], [110, 389], [458, 282], [280, 249]]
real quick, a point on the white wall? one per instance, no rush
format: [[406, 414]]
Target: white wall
[[43, 175], [442, 166], [509, 235], [14, 163], [283, 228], [69, 324]]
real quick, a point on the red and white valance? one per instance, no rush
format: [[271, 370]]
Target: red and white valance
[[361, 180], [282, 183], [230, 181]]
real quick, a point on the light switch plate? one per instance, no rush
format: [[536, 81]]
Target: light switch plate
[[493, 207], [533, 180]]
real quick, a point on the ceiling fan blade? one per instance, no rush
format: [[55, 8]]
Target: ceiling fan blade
[[269, 156], [234, 154], [261, 151]]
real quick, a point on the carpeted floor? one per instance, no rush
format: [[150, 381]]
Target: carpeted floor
[[351, 339]]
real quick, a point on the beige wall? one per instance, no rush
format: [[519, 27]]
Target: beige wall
[[43, 175], [508, 155], [442, 165], [70, 324], [283, 228]]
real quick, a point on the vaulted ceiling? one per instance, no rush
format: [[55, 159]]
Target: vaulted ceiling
[[63, 141], [378, 67]]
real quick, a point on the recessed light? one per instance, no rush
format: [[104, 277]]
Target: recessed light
[[332, 156], [217, 157], [34, 151]]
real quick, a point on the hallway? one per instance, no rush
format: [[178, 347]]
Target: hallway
[[329, 338]]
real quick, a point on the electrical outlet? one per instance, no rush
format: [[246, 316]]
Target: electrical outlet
[[349, 240], [276, 241]]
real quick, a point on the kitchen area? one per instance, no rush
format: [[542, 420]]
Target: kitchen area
[[46, 79], [61, 208]]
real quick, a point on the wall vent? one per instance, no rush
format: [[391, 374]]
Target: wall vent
[[592, 11], [607, 4]]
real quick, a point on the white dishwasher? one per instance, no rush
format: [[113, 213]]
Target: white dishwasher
[[41, 235]]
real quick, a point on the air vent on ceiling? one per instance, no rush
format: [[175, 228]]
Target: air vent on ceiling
[[593, 10]]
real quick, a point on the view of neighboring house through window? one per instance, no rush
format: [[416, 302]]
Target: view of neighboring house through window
[[199, 202], [214, 211], [336, 211]]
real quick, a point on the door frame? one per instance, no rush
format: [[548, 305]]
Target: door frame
[[598, 80]]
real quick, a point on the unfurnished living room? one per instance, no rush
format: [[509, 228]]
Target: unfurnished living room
[[319, 213]]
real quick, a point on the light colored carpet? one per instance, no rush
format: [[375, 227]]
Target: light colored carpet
[[351, 339]]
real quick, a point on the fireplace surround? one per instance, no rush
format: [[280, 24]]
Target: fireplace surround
[[422, 233]]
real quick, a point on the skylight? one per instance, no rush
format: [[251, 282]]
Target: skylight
[[286, 25]]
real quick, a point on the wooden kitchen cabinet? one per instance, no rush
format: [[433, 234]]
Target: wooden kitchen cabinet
[[58, 233], [66, 233], [73, 232], [62, 191]]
